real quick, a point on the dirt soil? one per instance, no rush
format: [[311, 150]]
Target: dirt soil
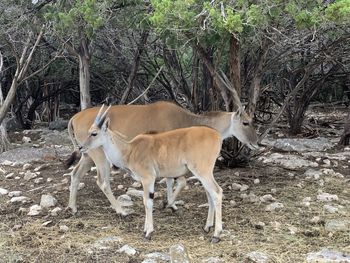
[[287, 235]]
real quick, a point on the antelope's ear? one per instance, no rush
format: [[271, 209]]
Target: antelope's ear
[[106, 124]]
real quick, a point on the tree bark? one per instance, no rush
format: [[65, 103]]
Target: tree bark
[[235, 66], [84, 81], [135, 66]]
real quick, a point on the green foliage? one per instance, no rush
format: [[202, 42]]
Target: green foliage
[[85, 15], [339, 11]]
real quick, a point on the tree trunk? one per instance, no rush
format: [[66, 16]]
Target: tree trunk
[[135, 66], [84, 81], [4, 141], [235, 67], [194, 90]]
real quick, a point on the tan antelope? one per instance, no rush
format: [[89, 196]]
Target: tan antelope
[[132, 120], [167, 154]]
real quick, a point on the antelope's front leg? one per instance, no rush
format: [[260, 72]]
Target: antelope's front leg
[[148, 196]]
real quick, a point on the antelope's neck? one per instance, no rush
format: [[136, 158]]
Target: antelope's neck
[[220, 121], [116, 148]]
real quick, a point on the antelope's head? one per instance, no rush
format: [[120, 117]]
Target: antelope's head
[[97, 133], [243, 129]]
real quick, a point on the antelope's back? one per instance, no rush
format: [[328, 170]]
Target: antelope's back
[[132, 120]]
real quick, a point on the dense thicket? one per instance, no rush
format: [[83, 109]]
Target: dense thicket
[[279, 55]]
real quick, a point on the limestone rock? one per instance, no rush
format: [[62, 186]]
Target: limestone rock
[[47, 201], [178, 254], [34, 210], [127, 250]]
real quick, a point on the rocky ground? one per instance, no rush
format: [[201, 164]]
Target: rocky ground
[[292, 204]]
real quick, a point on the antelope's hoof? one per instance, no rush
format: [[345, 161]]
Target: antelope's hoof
[[164, 205], [173, 209], [68, 212], [206, 229], [215, 240], [147, 238]]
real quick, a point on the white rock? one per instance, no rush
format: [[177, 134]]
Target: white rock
[[273, 190], [20, 199], [120, 186], [135, 193], [335, 225], [26, 139], [17, 178], [233, 202], [46, 223], [81, 186], [63, 228], [3, 191], [315, 220], [274, 207], [7, 163], [328, 256], [49, 180], [34, 210], [203, 205], [2, 171], [244, 187], [257, 257], [178, 253], [256, 181], [326, 163], [307, 199], [156, 257], [212, 260], [10, 176], [330, 209], [38, 180], [267, 198], [48, 201], [125, 200], [56, 211], [326, 197], [137, 184], [127, 250], [252, 198], [27, 166], [236, 186], [14, 193], [29, 175]]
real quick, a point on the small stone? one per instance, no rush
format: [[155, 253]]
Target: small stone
[[276, 225], [56, 211], [135, 193], [26, 139], [335, 225], [63, 229], [48, 201], [136, 184], [10, 176], [125, 200], [325, 197], [178, 254], [34, 210], [127, 250], [259, 225], [17, 178], [27, 166], [273, 190], [293, 230], [327, 256], [16, 227], [256, 181], [274, 207], [81, 186], [326, 163], [49, 180], [39, 180], [252, 198], [3, 191], [257, 257], [307, 199], [330, 209], [236, 186], [7, 163], [93, 169], [120, 187], [47, 223], [233, 202], [14, 193], [212, 260], [29, 175], [22, 210], [64, 181], [204, 205], [267, 198], [244, 187]]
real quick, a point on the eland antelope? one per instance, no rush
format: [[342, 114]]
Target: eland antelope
[[132, 120], [167, 154]]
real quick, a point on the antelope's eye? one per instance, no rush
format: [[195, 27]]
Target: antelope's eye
[[94, 134], [245, 123]]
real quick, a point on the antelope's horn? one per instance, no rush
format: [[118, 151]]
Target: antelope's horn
[[98, 116], [104, 114]]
